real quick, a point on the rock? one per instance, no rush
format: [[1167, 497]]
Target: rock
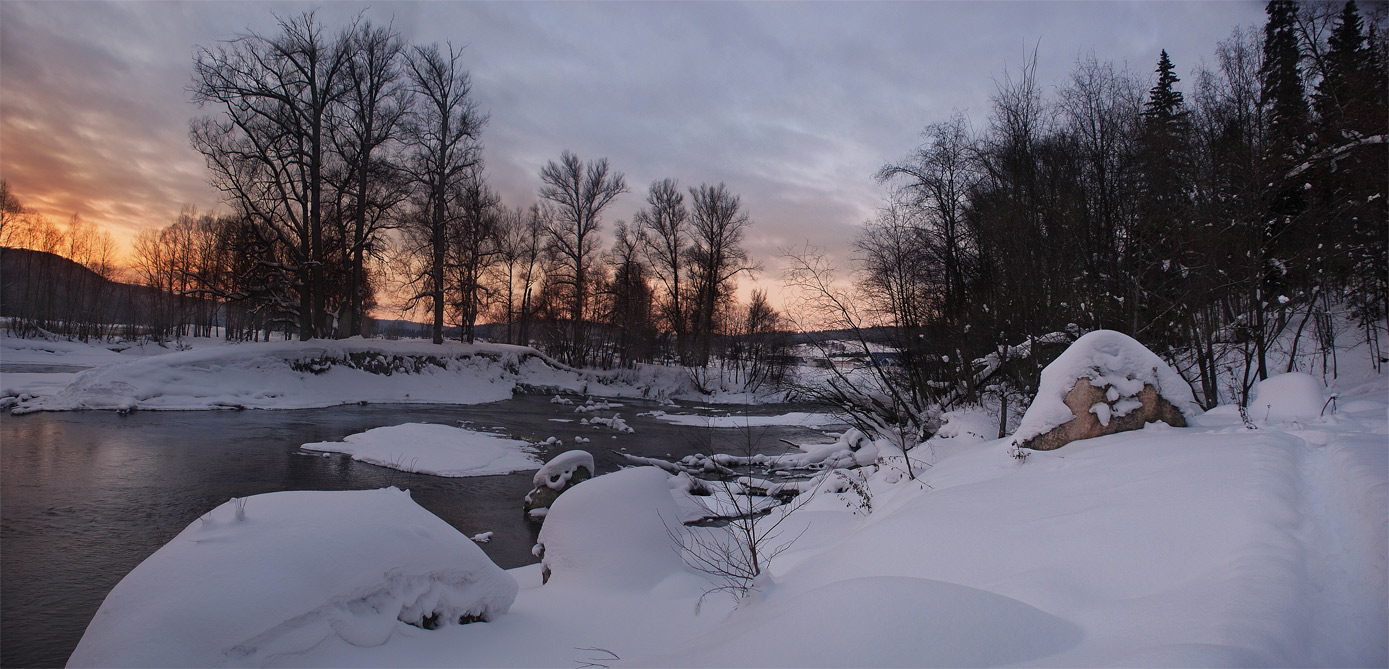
[[1105, 382], [1092, 409], [561, 473]]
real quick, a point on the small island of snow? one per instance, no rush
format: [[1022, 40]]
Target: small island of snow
[[439, 450]]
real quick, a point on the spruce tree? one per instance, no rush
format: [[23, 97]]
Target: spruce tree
[[1162, 238], [1349, 189], [1285, 106], [1281, 79]]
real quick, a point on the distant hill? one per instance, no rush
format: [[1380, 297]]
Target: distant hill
[[37, 283]]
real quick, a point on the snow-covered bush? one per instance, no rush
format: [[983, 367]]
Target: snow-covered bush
[[288, 571]]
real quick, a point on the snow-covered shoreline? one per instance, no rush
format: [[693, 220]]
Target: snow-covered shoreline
[[319, 373]]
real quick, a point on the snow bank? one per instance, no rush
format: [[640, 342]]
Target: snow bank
[[320, 373], [54, 350], [794, 418], [609, 532], [1106, 358], [439, 450], [293, 375], [267, 579], [1292, 396]]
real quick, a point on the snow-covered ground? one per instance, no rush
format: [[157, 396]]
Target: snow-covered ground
[[211, 374], [1214, 544], [1222, 543], [440, 450]]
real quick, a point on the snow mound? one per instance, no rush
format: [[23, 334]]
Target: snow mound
[[264, 579], [929, 624], [439, 450], [610, 531], [556, 473], [1292, 396], [1106, 358]]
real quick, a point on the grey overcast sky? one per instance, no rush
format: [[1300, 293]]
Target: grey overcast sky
[[793, 104]]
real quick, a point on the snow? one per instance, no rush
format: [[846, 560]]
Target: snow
[[18, 384], [615, 423], [1213, 544], [556, 473], [610, 532], [439, 450], [208, 374], [1106, 358], [801, 418], [1206, 545], [827, 627], [1292, 396], [296, 570]]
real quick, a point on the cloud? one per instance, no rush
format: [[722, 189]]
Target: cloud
[[792, 105]]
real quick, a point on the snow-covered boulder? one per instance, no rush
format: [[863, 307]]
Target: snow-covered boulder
[[262, 579], [611, 532], [561, 473], [1291, 396], [1105, 382]]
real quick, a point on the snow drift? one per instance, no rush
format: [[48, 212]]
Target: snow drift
[[264, 579]]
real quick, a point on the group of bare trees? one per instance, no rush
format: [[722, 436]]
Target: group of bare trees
[[1207, 225], [352, 162]]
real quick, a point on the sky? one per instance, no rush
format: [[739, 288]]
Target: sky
[[794, 105]]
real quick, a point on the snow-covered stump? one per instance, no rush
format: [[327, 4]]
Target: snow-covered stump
[[259, 580], [561, 473], [1106, 382]]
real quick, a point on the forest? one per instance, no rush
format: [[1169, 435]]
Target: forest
[[1207, 217]]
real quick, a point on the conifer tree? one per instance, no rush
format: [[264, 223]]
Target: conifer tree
[[1162, 238], [1350, 208]]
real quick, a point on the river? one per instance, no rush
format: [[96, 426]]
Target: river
[[86, 496]]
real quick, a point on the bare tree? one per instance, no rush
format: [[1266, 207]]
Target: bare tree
[[935, 181], [443, 139], [716, 257], [579, 193], [10, 210], [666, 245], [630, 298], [268, 147], [375, 101], [872, 396], [472, 249]]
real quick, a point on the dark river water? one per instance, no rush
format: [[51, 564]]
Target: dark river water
[[86, 496]]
